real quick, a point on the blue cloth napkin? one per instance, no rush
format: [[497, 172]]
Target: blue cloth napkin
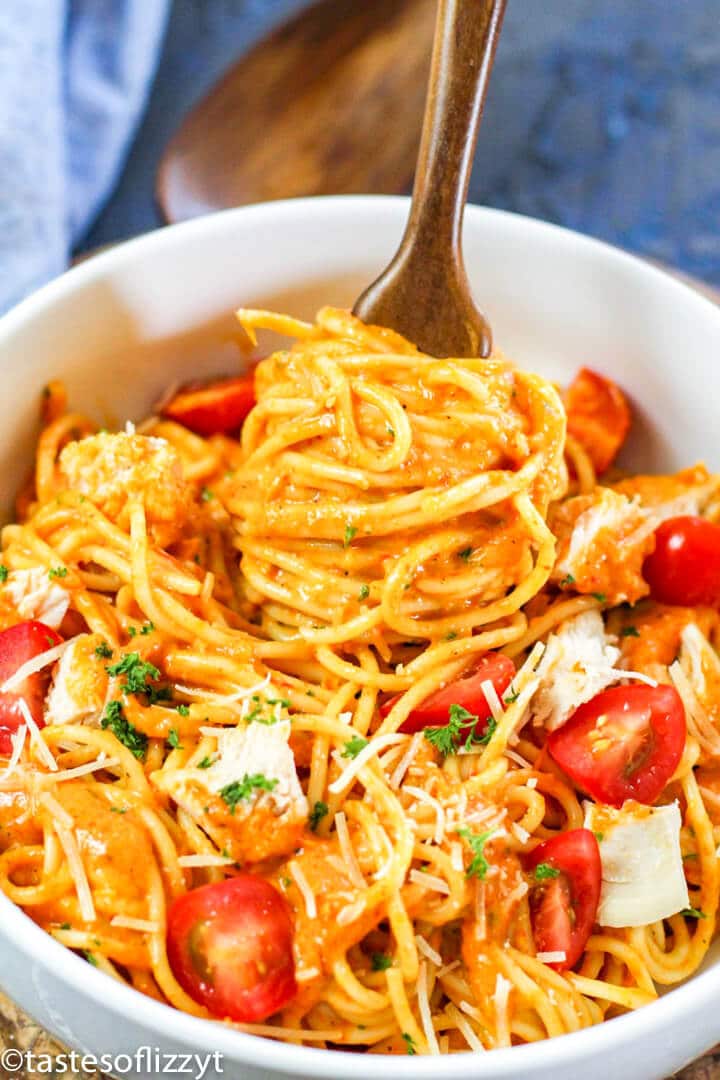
[[74, 80]]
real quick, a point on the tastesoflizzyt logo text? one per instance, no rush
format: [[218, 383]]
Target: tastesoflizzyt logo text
[[145, 1061]]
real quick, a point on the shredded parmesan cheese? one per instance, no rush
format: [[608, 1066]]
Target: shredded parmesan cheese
[[350, 913], [456, 856], [532, 783], [406, 760], [491, 696], [448, 968], [200, 861], [101, 762], [429, 881], [145, 926], [36, 663], [307, 974], [519, 833], [427, 950], [36, 738], [58, 812], [352, 866], [480, 912], [17, 741], [513, 755], [464, 1028], [559, 956], [502, 994], [423, 797], [77, 871], [305, 891], [471, 1010], [354, 766], [423, 1001]]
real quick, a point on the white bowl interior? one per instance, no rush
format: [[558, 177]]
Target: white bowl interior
[[122, 327]]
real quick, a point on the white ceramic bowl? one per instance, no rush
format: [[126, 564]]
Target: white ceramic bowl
[[124, 325]]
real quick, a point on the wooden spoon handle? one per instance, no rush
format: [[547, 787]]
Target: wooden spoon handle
[[465, 41]]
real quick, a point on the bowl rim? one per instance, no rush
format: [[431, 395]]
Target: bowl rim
[[122, 1000]]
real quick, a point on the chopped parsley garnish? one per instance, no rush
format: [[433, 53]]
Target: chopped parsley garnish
[[3, 572], [446, 739], [206, 494], [65, 926], [693, 913], [629, 631], [600, 597], [147, 628], [174, 738], [690, 855], [119, 809], [350, 532], [132, 631], [205, 763], [137, 674], [409, 1042], [364, 592], [317, 813], [283, 702], [451, 635], [183, 710], [103, 651], [465, 553], [544, 872], [390, 431], [479, 865], [57, 572], [115, 721], [241, 790], [599, 836], [353, 746], [567, 581], [512, 697], [89, 957], [381, 961]]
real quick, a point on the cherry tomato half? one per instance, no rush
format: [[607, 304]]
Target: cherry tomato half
[[215, 408], [18, 644], [684, 568], [565, 894], [230, 948], [467, 692], [598, 416], [624, 744]]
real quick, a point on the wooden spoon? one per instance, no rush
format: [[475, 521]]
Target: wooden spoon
[[330, 103], [424, 292]]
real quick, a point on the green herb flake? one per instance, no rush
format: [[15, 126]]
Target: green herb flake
[[3, 572], [479, 865], [693, 913], [90, 958], [205, 763], [174, 738], [147, 628], [137, 674], [353, 746], [567, 581], [409, 1043], [600, 597], [183, 710], [465, 553], [65, 926], [57, 572], [364, 592], [629, 631], [545, 872], [206, 494], [103, 651], [599, 836], [461, 723], [381, 961], [242, 790], [350, 532], [115, 721], [318, 812], [451, 635]]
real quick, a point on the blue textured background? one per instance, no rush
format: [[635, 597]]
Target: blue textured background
[[603, 115]]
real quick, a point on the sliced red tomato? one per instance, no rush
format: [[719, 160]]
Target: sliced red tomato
[[624, 744], [684, 568], [598, 416], [214, 408], [18, 644], [565, 884], [230, 948], [466, 692]]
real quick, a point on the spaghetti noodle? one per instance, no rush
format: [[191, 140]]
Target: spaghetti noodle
[[339, 658]]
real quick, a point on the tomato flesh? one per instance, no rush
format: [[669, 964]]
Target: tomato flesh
[[466, 692], [684, 568], [564, 903], [598, 416], [623, 744], [213, 409], [230, 948], [18, 644]]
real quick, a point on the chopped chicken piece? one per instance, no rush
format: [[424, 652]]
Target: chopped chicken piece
[[34, 596], [603, 540], [268, 817], [686, 492], [651, 636], [115, 470], [578, 662], [79, 686]]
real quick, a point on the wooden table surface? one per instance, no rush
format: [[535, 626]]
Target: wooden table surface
[[19, 1030]]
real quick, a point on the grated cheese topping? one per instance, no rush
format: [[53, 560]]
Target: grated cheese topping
[[306, 892]]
